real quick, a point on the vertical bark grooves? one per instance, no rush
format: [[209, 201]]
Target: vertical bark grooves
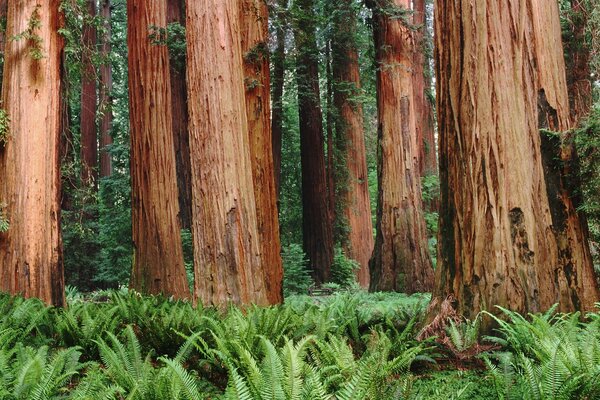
[[254, 39], [176, 14], [226, 247], [31, 251], [158, 256], [89, 139], [278, 77], [316, 224], [497, 241], [353, 192], [425, 128], [106, 85], [574, 277], [400, 259]]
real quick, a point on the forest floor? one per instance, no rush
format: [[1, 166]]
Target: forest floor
[[350, 345]]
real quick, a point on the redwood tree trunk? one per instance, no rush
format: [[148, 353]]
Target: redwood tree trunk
[[578, 58], [176, 14], [425, 128], [401, 260], [277, 94], [353, 190], [31, 250], [89, 138], [255, 48], [158, 256], [224, 222], [316, 223], [494, 60], [106, 86], [3, 12]]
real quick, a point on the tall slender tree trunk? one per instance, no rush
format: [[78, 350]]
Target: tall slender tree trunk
[[495, 64], [158, 256], [278, 60], [425, 127], [329, 129], [3, 14], [226, 238], [578, 59], [400, 259], [316, 224], [353, 191], [89, 97], [31, 250], [106, 87], [254, 27], [176, 14]]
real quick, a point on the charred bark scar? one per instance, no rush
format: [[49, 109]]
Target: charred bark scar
[[519, 236]]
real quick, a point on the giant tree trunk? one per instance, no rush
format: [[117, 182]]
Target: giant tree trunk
[[89, 138], [106, 86], [224, 223], [401, 258], [316, 223], [31, 250], [425, 128], [158, 256], [353, 190], [497, 241], [254, 28], [574, 277], [278, 61], [176, 14]]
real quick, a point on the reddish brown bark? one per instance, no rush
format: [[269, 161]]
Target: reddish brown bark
[[89, 139], [176, 14], [31, 250], [3, 12], [158, 256], [226, 238], [425, 128], [497, 231], [106, 86], [278, 60], [353, 191], [578, 58], [400, 259], [255, 34], [316, 223]]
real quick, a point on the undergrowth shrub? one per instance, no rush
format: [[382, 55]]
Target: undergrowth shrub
[[296, 276]]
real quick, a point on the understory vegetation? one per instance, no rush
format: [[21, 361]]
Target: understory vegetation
[[351, 345]]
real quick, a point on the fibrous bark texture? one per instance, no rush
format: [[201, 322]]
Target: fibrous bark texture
[[278, 61], [158, 256], [400, 259], [495, 61], [424, 122], [31, 250], [226, 239], [255, 49], [176, 14], [353, 189], [316, 215], [89, 138], [106, 86]]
